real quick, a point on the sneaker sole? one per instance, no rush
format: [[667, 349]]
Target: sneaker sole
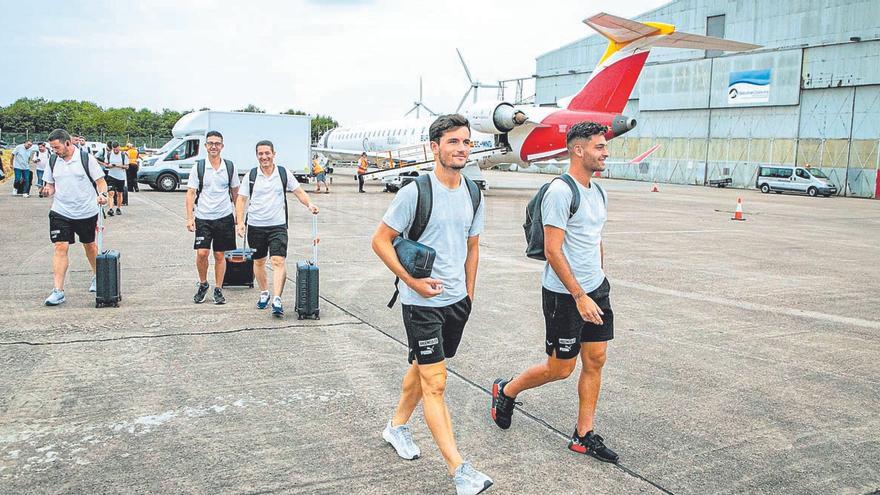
[[385, 436], [496, 389], [47, 303], [486, 486], [218, 303], [199, 301], [580, 449]]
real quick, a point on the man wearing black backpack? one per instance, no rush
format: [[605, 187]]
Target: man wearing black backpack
[[442, 210], [212, 190], [77, 183], [577, 309], [263, 192]]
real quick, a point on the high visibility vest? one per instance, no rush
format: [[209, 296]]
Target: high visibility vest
[[132, 155], [317, 168], [362, 166]]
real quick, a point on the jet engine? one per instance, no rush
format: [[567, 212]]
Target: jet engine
[[495, 117]]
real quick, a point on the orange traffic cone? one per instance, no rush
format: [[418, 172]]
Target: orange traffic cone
[[738, 214], [655, 188]]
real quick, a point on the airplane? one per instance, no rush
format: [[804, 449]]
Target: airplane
[[522, 135]]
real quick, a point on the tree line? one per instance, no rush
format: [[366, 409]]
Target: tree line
[[39, 116]]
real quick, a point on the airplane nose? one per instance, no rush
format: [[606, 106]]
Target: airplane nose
[[622, 124]]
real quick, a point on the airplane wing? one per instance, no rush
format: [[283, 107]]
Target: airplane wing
[[623, 31], [618, 29], [699, 42], [351, 155]]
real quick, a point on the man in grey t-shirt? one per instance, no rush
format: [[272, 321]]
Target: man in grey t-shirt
[[436, 308], [21, 165], [577, 308]]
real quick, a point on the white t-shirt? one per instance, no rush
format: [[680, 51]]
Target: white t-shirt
[[75, 197], [214, 201], [266, 207], [41, 160], [452, 222], [583, 234], [120, 158]]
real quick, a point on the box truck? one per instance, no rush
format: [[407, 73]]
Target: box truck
[[170, 167]]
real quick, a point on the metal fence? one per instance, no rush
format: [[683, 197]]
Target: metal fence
[[150, 141]]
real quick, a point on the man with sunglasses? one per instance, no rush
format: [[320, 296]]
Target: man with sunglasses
[[211, 192]]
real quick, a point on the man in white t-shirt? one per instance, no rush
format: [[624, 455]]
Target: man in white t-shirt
[[263, 193], [78, 188], [41, 159], [578, 318], [212, 188], [436, 308], [117, 164], [21, 165]]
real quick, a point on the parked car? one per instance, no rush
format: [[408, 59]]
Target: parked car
[[787, 178]]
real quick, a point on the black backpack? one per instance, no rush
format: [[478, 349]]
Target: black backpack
[[83, 157], [424, 205], [200, 172], [534, 225], [282, 173]]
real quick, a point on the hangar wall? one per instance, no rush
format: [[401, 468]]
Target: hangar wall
[[823, 107]]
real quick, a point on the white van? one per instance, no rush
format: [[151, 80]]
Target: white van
[[782, 178], [170, 167]]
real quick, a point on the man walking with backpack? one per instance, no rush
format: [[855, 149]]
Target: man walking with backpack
[[577, 309], [75, 179], [117, 164], [264, 194], [212, 190], [442, 210]]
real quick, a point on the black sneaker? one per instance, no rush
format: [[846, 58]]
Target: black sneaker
[[592, 445], [110, 212], [218, 296], [201, 293], [502, 405], [119, 211]]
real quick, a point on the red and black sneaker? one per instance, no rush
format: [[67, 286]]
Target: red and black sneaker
[[502, 405], [592, 445]]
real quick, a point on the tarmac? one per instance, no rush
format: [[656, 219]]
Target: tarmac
[[745, 357]]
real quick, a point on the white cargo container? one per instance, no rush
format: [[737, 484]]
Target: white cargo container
[[171, 165]]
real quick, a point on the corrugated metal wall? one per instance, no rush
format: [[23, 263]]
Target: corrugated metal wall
[[824, 106]]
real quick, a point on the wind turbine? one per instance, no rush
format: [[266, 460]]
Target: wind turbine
[[417, 105], [475, 85]]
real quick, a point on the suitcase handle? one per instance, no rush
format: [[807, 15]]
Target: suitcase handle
[[315, 240], [99, 230]]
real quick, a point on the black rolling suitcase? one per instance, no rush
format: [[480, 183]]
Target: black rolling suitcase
[[307, 281], [239, 267], [107, 272]]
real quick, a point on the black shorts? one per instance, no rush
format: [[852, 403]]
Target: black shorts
[[219, 232], [62, 229], [566, 329], [114, 184], [270, 241], [433, 334]]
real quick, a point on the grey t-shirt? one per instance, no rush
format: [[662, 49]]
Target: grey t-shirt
[[583, 234], [452, 222], [20, 156]]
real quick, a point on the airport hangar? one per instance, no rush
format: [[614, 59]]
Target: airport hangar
[[820, 60]]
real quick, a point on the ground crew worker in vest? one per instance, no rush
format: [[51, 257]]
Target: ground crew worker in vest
[[133, 166], [320, 175], [362, 169]]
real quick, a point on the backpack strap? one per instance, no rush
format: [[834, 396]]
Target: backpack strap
[[424, 204], [230, 169], [575, 194], [200, 173], [282, 173], [474, 191], [601, 192]]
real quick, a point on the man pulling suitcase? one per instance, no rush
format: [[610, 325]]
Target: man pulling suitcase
[[262, 207]]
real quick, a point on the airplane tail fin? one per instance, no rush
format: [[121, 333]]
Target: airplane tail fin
[[629, 42]]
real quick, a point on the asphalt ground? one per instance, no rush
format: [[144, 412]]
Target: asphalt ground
[[745, 357]]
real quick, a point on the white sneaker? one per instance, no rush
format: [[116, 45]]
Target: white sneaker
[[26, 195], [469, 481], [400, 437], [93, 287], [55, 298]]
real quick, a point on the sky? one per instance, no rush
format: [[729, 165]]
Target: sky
[[356, 60]]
